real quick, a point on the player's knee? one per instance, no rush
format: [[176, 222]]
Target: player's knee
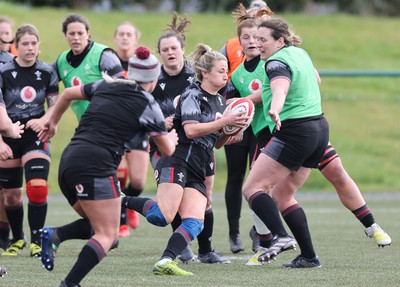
[[12, 197], [37, 190], [192, 226], [155, 216], [36, 174]]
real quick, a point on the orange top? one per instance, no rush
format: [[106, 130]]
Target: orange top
[[13, 50], [234, 53]]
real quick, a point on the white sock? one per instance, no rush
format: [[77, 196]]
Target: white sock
[[260, 226], [164, 260]]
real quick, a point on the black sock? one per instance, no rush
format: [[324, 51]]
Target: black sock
[[233, 202], [4, 230], [15, 217], [92, 253], [131, 191], [265, 208], [123, 216], [176, 222], [297, 221], [265, 240], [205, 236], [138, 204], [79, 229], [36, 218], [364, 215], [176, 243], [70, 284]]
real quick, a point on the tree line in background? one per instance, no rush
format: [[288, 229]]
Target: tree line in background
[[362, 7]]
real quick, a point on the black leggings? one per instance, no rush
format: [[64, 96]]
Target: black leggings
[[237, 157]]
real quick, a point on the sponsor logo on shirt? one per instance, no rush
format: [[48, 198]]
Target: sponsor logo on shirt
[[28, 94], [76, 81], [255, 85]]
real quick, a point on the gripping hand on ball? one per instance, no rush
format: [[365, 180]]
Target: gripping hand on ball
[[238, 119]]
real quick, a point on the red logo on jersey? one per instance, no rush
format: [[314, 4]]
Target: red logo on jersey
[[28, 94], [76, 81], [255, 85], [79, 188]]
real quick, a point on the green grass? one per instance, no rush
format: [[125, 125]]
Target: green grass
[[364, 129], [362, 112], [349, 257]]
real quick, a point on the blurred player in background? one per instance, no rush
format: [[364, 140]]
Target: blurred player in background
[[126, 38]]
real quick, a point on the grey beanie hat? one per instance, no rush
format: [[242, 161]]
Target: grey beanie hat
[[257, 4], [143, 66]]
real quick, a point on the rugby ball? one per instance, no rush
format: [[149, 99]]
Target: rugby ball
[[237, 106]]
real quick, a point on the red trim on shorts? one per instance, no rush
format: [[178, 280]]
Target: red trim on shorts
[[328, 150], [267, 143], [113, 186], [329, 159], [171, 176], [255, 154]]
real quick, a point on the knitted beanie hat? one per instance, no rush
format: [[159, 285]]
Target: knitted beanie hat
[[143, 66], [257, 4]]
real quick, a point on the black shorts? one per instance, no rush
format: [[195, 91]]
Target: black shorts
[[75, 186], [88, 174], [155, 158], [299, 143], [263, 139], [329, 155], [27, 143], [11, 177], [186, 167], [210, 167]]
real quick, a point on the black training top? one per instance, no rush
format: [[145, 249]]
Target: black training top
[[118, 112]]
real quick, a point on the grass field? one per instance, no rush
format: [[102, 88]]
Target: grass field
[[363, 116], [362, 112], [349, 257]]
